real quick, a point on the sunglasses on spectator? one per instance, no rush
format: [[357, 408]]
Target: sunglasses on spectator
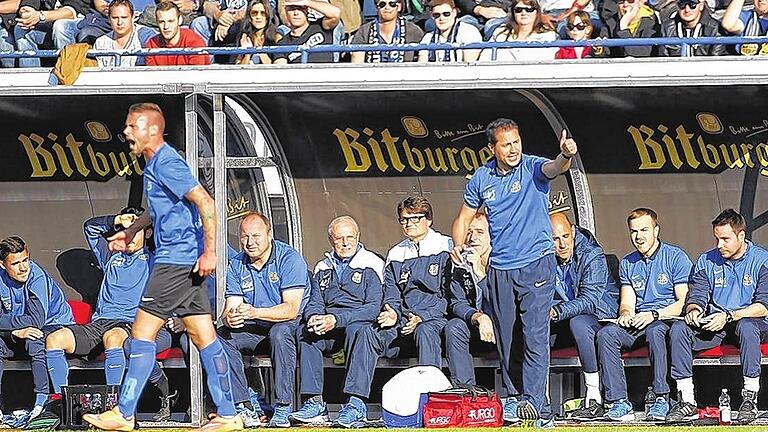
[[626, 1], [256, 13], [294, 8], [579, 26], [405, 220], [521, 9], [383, 4], [690, 4], [437, 15]]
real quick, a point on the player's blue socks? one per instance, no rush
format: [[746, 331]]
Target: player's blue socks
[[58, 368], [140, 364], [40, 399], [114, 365], [216, 366]]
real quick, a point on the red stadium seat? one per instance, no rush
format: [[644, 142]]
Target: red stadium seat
[[81, 311], [638, 353], [170, 353], [564, 353]]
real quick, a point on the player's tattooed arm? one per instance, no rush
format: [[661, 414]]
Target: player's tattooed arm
[[206, 264]]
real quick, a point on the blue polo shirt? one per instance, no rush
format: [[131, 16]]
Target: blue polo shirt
[[720, 284], [285, 269], [178, 229], [654, 278], [125, 275], [517, 206]]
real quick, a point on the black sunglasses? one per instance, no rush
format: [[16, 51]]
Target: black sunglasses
[[383, 4], [437, 15], [529, 9], [690, 4], [579, 26]]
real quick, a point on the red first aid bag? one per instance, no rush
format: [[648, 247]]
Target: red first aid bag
[[462, 407]]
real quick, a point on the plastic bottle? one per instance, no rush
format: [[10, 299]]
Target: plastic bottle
[[725, 407], [650, 399]]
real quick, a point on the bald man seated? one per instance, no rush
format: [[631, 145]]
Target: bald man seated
[[585, 292]]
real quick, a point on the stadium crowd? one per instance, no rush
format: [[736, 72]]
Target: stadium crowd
[[511, 279], [122, 24]]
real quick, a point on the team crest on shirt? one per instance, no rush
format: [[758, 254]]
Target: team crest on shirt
[[663, 279], [273, 277], [357, 277], [747, 280], [515, 188], [404, 276], [433, 269], [325, 280], [489, 195]]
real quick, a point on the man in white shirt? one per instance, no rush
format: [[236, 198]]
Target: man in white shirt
[[124, 35]]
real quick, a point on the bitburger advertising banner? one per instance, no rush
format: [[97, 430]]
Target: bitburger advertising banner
[[75, 137]]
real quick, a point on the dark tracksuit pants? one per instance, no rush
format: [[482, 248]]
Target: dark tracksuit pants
[[685, 340], [12, 347], [458, 337], [281, 337], [427, 338], [612, 340], [580, 330], [361, 356], [518, 303]]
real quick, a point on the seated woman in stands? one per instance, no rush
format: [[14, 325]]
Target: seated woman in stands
[[260, 29], [524, 23], [634, 19], [579, 27]]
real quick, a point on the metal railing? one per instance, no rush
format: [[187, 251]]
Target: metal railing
[[305, 52]]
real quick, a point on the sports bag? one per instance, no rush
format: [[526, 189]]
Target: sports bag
[[465, 406]]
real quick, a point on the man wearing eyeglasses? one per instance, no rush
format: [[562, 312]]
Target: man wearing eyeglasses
[[692, 20], [449, 30], [416, 276], [344, 303], [389, 28], [514, 188], [737, 21], [307, 33]]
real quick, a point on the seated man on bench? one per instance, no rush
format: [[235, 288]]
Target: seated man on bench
[[125, 278]]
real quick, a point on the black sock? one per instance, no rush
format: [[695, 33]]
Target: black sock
[[162, 386]]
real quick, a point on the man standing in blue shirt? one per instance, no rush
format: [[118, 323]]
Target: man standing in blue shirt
[[344, 303], [469, 324], [125, 278], [585, 293], [33, 306], [654, 283], [267, 288], [514, 187], [728, 300], [184, 219]]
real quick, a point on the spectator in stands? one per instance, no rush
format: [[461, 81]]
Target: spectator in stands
[[307, 33], [728, 301], [557, 13], [36, 22], [219, 23], [416, 276], [633, 19], [469, 325], [345, 301], [8, 10], [585, 293], [747, 23], [267, 287], [389, 28], [654, 283], [33, 306], [168, 17], [258, 30], [123, 35], [693, 19], [523, 24], [449, 30], [579, 28], [125, 277], [514, 188], [190, 9], [486, 15]]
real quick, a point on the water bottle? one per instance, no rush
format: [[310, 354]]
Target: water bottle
[[650, 399], [725, 407]]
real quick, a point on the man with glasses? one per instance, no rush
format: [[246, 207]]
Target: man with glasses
[[693, 19], [449, 30], [389, 28], [514, 187], [343, 306]]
